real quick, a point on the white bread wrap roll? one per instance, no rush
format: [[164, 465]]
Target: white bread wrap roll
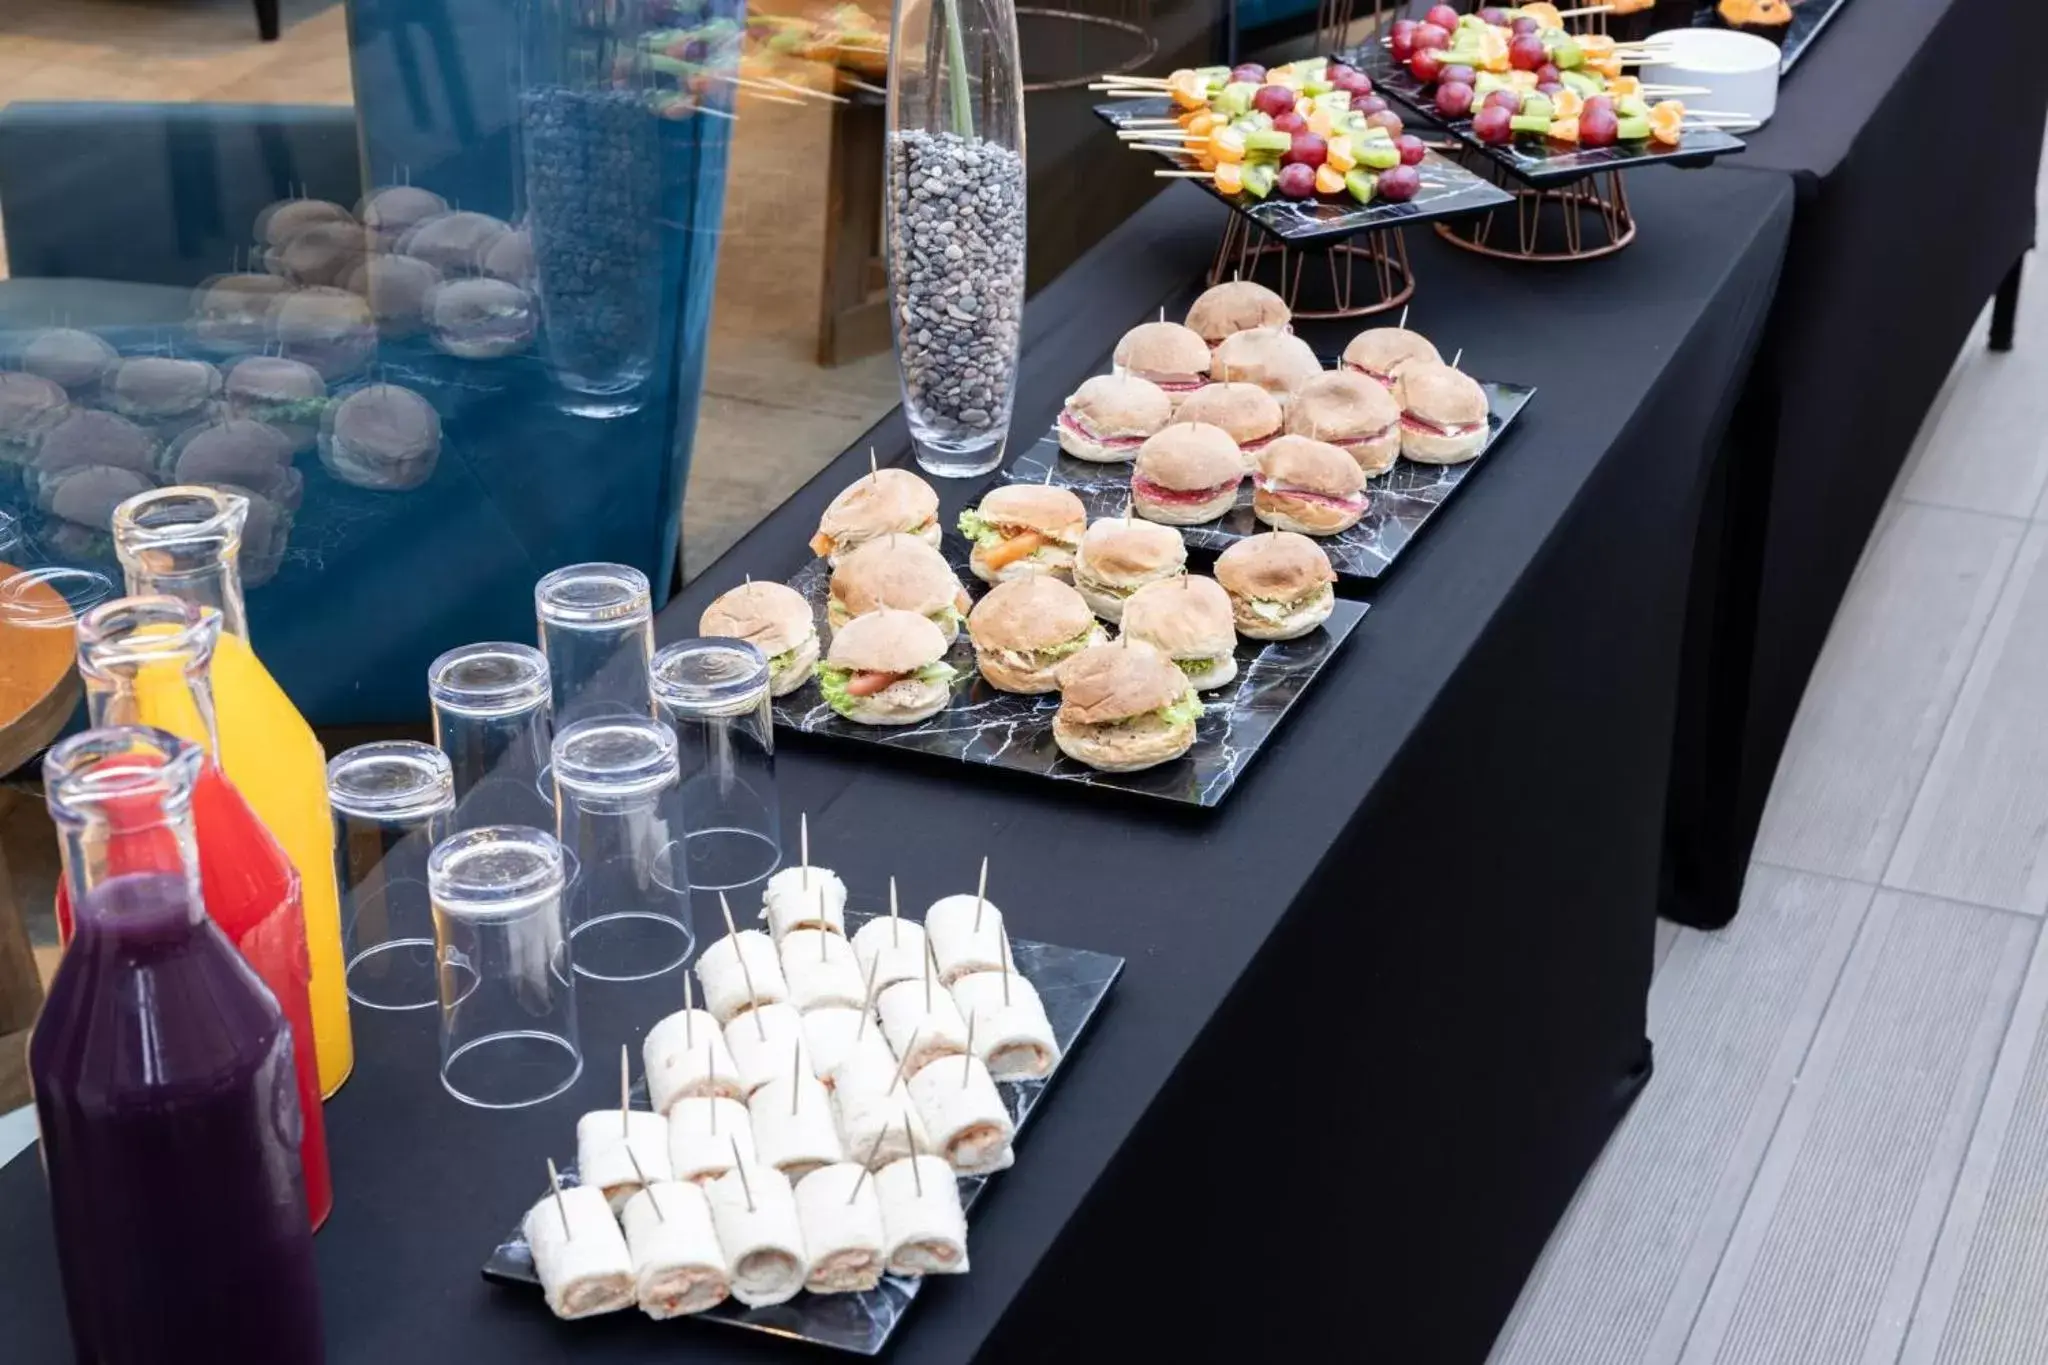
[[834, 1035], [584, 1267], [958, 947], [760, 1048], [685, 1054], [701, 1134], [606, 1150], [821, 971], [899, 943], [842, 1220], [924, 1231], [678, 1266], [786, 905], [725, 985], [873, 1117], [764, 1241], [964, 1114], [793, 1127], [929, 1033], [1014, 1038]]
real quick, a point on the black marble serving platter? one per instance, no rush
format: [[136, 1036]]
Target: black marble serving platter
[[1809, 17], [1072, 983], [1535, 163], [1004, 730], [1398, 503], [1448, 191]]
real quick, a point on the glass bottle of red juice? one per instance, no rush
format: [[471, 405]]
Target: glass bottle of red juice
[[164, 1087]]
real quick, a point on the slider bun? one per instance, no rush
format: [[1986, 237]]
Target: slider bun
[[887, 641], [876, 504], [1448, 397], [1028, 614], [794, 674], [89, 496], [1184, 513], [1188, 617], [1292, 627], [1237, 306], [1124, 552], [1342, 406], [1161, 348], [89, 437], [1188, 456], [1303, 516], [772, 617], [1056, 513], [1125, 748], [1245, 412], [1316, 466], [1121, 405], [1277, 565], [902, 703], [1279, 362], [893, 571], [156, 386], [278, 224], [1385, 350], [1112, 682]]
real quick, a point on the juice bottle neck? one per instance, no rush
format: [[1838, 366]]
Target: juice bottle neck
[[150, 659], [121, 799], [186, 542]]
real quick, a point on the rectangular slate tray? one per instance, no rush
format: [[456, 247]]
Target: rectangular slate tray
[[1809, 17], [1531, 162], [1004, 730], [1399, 502], [1072, 983], [1449, 191]]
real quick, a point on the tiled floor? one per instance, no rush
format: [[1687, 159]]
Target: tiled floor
[[1843, 1158]]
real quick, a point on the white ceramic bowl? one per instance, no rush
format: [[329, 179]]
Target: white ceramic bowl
[[1740, 69]]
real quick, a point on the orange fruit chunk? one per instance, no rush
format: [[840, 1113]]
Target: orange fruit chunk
[[1566, 103], [1564, 130], [1230, 177], [1329, 180]]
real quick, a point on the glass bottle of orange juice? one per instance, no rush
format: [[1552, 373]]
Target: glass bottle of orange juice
[[183, 542]]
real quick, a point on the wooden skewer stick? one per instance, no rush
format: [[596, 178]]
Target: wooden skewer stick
[[689, 1014], [1183, 175], [868, 86], [1149, 121], [1585, 9], [625, 1090], [746, 972], [868, 1165], [1162, 134], [806, 90], [874, 474], [1403, 323], [555, 1184], [746, 1187], [868, 1008], [895, 921], [796, 1075], [911, 1143], [711, 1071], [1458, 357], [908, 1049], [967, 1059], [641, 1176], [1169, 148], [981, 883], [1125, 78], [1649, 89], [1008, 967], [927, 975]]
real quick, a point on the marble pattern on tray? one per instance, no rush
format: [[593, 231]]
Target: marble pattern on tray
[[1072, 983]]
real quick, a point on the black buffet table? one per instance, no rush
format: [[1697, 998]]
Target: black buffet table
[[1899, 236], [1382, 1009]]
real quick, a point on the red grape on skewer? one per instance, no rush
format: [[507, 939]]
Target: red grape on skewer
[[1526, 53], [1443, 16], [1597, 126], [1491, 124], [1547, 72], [1425, 65], [1549, 87], [1371, 104], [1402, 46], [1290, 122], [1296, 181], [1431, 36], [1308, 150], [1459, 72], [1250, 71], [1274, 100], [1387, 119], [1453, 99], [1399, 183], [1495, 16], [1412, 149], [1510, 100], [1526, 25]]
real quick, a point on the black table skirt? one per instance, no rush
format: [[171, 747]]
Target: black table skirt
[[1912, 130], [1382, 1009]]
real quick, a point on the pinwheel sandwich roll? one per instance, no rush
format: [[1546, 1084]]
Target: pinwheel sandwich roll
[[678, 1266], [579, 1253], [754, 1210]]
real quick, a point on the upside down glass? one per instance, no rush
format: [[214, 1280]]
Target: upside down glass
[[393, 801], [596, 626], [507, 986], [714, 694], [492, 717], [615, 782]]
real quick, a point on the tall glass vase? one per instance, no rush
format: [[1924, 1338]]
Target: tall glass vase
[[955, 226]]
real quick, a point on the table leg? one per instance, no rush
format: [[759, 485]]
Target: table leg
[[266, 19], [2005, 304]]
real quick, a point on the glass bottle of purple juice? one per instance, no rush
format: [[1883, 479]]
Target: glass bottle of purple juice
[[164, 1087]]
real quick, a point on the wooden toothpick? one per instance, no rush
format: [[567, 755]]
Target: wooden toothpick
[[690, 1012], [927, 975], [967, 1060], [980, 894], [796, 1074], [903, 1063], [711, 1070], [1007, 969], [804, 836], [873, 1149], [625, 1090], [911, 1143], [1403, 324], [641, 1176], [555, 1184], [895, 922], [746, 973], [874, 469], [1458, 357], [740, 1167]]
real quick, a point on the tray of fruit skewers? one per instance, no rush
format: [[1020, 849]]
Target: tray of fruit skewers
[[1548, 105], [1305, 150]]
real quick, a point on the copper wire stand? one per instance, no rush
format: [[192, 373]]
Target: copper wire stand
[[1366, 274], [1144, 48], [1551, 224]]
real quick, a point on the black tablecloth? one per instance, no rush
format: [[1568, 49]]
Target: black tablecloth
[[1382, 1009], [1912, 129]]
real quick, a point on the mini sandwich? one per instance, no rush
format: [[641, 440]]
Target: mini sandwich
[[1236, 307], [1124, 707], [69, 358], [884, 502], [397, 288], [454, 243], [81, 504], [85, 438], [511, 258], [1167, 354], [1022, 529], [1024, 628], [30, 406], [240, 452], [481, 318], [1279, 585], [1120, 555], [1443, 414], [1186, 475], [1109, 417], [1380, 352], [900, 572], [395, 210], [1188, 619], [330, 329], [1278, 362], [288, 396], [284, 220], [231, 313], [381, 436], [165, 395], [323, 255], [1250, 415], [1309, 486], [773, 619], [1352, 412], [887, 668]]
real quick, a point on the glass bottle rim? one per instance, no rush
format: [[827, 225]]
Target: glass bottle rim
[[489, 678], [136, 632], [182, 516], [616, 756], [392, 779], [709, 677], [599, 594], [21, 604], [102, 769], [495, 871]]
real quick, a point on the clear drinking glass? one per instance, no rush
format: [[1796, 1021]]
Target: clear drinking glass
[[714, 694], [492, 717], [507, 986], [615, 783], [596, 626], [393, 801], [954, 231]]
